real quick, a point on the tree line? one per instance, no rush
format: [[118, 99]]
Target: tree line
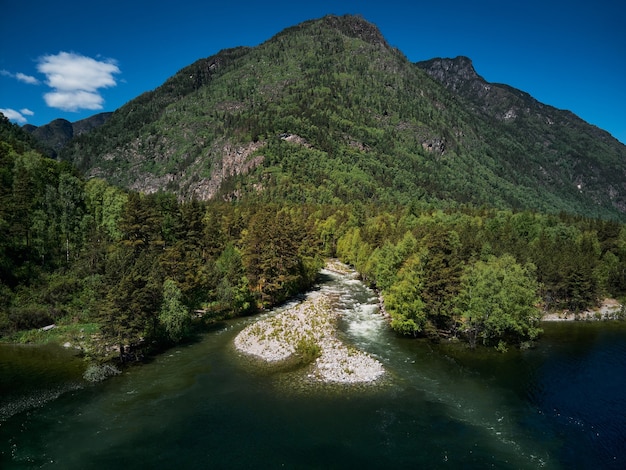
[[483, 274]]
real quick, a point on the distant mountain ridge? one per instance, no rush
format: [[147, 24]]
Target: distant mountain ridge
[[496, 100], [527, 119], [328, 111], [57, 133]]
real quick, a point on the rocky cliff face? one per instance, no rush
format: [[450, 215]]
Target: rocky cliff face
[[495, 100], [90, 123], [456, 74]]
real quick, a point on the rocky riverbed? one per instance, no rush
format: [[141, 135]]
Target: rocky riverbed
[[307, 331]]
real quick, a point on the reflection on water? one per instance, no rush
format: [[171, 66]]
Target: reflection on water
[[33, 375], [558, 406]]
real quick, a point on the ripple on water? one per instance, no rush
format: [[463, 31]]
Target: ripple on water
[[35, 399]]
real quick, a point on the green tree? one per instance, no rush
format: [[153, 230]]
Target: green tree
[[174, 317], [106, 205], [71, 209], [404, 301], [328, 235], [271, 255], [130, 313], [383, 266], [7, 158], [498, 301], [232, 291], [442, 274], [140, 224]]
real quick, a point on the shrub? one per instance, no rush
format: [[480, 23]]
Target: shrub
[[99, 372], [308, 350]]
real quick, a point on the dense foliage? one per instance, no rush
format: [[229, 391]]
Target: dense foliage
[[142, 266], [485, 275], [76, 251]]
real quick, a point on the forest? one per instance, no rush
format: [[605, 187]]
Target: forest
[[123, 274]]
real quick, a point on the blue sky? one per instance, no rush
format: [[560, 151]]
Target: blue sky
[[74, 58]]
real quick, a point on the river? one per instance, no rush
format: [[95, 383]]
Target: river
[[560, 405]]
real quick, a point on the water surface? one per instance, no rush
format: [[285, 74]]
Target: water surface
[[560, 405]]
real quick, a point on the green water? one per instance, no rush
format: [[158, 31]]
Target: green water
[[33, 375], [204, 406]]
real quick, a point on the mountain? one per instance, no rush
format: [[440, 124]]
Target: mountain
[[585, 154], [56, 134], [328, 111]]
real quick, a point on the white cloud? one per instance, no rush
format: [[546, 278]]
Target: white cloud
[[74, 100], [27, 112], [13, 115], [22, 77], [76, 79], [26, 78]]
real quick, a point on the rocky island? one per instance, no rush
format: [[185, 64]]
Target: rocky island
[[306, 333]]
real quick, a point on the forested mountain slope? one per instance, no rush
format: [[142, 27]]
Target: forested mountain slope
[[327, 112], [560, 149], [243, 171]]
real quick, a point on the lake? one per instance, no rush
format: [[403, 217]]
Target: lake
[[204, 405]]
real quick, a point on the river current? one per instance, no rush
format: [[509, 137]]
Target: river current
[[560, 405]]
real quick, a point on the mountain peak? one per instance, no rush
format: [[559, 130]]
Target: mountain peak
[[356, 26], [453, 73], [57, 133]]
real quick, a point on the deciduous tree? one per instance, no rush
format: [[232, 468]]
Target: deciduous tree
[[498, 301], [174, 317]]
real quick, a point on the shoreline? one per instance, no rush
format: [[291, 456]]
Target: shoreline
[[610, 309], [306, 333]]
